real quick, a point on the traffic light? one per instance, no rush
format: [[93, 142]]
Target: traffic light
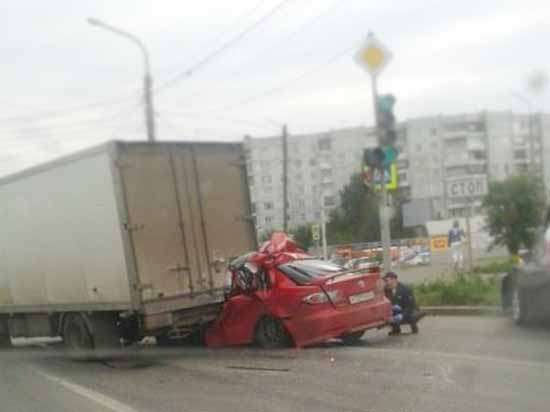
[[386, 120], [374, 157]]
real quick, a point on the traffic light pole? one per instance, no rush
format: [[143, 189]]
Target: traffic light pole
[[383, 205]]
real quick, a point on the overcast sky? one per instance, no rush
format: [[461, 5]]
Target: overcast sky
[[67, 85]]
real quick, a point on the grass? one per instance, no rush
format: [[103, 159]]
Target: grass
[[464, 289], [494, 266]]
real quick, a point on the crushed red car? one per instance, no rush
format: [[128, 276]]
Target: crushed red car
[[281, 296]]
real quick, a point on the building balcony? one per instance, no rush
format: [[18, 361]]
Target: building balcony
[[463, 160], [462, 134]]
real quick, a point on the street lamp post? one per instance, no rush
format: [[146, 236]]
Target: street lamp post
[[147, 80]]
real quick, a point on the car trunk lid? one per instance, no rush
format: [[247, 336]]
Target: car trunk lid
[[351, 288]]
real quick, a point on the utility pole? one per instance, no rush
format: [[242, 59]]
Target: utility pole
[[285, 178], [147, 79]]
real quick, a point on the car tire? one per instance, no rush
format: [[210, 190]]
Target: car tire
[[352, 338], [271, 334], [519, 306], [5, 339], [77, 337]]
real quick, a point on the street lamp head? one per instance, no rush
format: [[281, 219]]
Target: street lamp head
[[94, 21]]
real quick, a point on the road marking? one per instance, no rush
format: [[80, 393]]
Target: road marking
[[99, 398]]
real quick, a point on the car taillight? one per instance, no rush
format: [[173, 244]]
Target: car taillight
[[316, 298]]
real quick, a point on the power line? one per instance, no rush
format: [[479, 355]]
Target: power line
[[225, 46], [270, 47], [65, 111], [26, 137], [281, 87], [251, 123], [309, 22], [93, 119]]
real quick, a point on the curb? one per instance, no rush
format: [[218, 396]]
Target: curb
[[463, 310]]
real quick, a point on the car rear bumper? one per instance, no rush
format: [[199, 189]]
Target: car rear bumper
[[331, 322]]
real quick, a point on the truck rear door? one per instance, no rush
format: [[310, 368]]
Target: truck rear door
[[187, 206]]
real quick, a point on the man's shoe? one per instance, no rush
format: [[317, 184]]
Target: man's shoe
[[395, 332], [420, 314], [414, 328]]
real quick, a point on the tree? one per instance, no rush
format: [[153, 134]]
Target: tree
[[515, 210], [302, 236], [356, 220]]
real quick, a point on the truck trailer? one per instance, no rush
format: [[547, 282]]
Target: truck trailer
[[121, 241]]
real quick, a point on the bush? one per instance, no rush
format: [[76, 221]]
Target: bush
[[465, 289], [494, 267]]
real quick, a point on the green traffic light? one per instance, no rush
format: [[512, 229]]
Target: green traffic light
[[386, 102]]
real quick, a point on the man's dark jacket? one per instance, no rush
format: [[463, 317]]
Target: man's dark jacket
[[403, 297]]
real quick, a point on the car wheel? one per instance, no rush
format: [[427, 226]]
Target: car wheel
[[5, 340], [271, 334], [519, 307], [352, 338]]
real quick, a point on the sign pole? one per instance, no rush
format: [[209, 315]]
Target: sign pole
[[383, 204], [324, 232], [469, 236]]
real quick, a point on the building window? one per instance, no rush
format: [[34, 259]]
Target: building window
[[298, 163], [329, 201], [402, 177], [268, 205], [433, 131], [326, 173], [435, 159], [253, 207], [324, 143], [314, 174], [300, 204], [266, 179], [250, 180], [418, 148], [268, 189], [269, 219], [317, 215], [266, 164], [313, 162], [327, 186], [298, 176]]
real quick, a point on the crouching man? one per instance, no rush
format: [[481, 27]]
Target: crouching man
[[404, 306]]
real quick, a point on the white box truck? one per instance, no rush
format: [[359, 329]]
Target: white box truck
[[121, 241]]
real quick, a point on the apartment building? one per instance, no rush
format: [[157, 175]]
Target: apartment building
[[319, 165], [435, 151]]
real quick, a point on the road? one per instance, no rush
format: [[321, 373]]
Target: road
[[454, 364]]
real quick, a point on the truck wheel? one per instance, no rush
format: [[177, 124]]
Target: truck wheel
[[271, 334], [77, 337], [352, 338], [5, 339], [520, 307]]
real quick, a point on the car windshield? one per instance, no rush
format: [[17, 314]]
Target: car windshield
[[304, 271]]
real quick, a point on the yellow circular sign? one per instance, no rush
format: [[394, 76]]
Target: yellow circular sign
[[373, 56]]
